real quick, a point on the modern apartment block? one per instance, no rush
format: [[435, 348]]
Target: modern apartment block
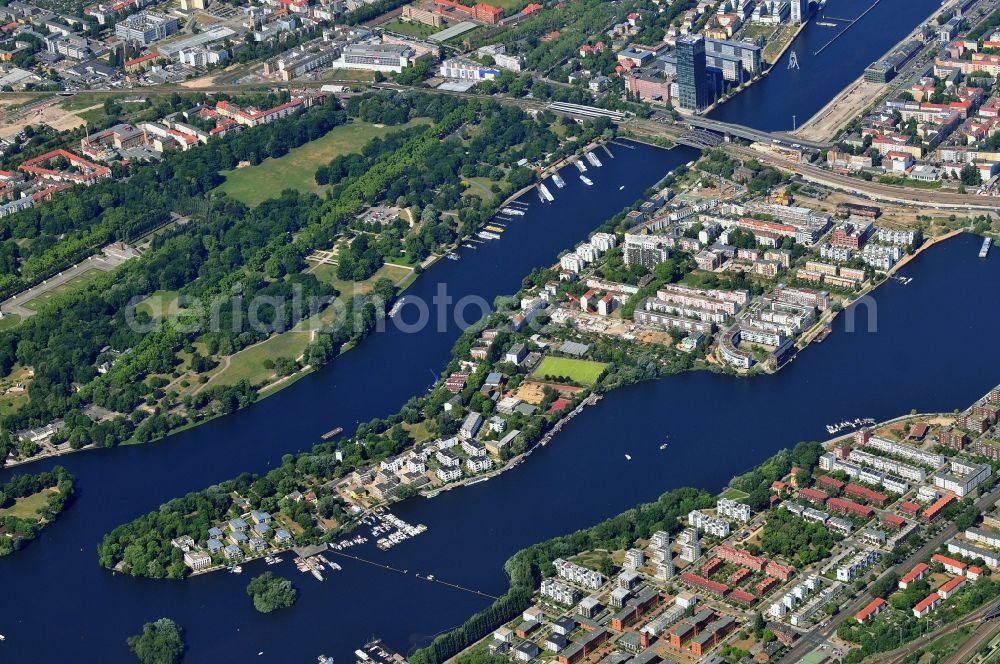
[[645, 250], [578, 574], [145, 28], [860, 562]]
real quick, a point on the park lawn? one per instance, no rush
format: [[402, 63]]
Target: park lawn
[[248, 364], [346, 289], [76, 282], [160, 304], [584, 372], [480, 187], [29, 506], [734, 494], [10, 403], [8, 321], [419, 431], [297, 169]]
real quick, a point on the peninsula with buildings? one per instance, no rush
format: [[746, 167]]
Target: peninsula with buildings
[[164, 163], [844, 550]]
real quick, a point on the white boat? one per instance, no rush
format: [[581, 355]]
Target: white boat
[[237, 570], [452, 257], [2, 637], [546, 194], [487, 235], [587, 181], [663, 446], [580, 166], [315, 572], [628, 457], [594, 161], [558, 180], [621, 187], [514, 211]]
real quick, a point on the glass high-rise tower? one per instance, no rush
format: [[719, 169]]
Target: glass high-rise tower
[[692, 77]]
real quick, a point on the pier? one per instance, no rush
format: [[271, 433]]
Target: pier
[[848, 27], [985, 249]]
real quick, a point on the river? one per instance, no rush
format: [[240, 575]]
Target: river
[[927, 354], [770, 103], [56, 578]]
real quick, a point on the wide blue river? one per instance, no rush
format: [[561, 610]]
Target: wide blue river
[[926, 352], [824, 68]]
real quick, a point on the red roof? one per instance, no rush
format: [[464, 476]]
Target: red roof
[[142, 58], [488, 9], [703, 583], [893, 520], [815, 495], [866, 493], [912, 575], [936, 508], [873, 606], [951, 584], [844, 505], [926, 602], [742, 596], [909, 507], [831, 482], [948, 562]]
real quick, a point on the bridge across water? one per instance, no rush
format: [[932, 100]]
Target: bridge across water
[[729, 129]]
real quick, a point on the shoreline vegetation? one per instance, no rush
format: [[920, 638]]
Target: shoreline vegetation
[[156, 384], [28, 503]]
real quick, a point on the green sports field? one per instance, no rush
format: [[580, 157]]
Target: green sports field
[[584, 372]]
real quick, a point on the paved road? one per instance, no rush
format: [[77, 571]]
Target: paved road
[[816, 637], [875, 190]]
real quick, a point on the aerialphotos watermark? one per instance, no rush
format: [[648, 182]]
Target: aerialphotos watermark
[[236, 313], [871, 314]]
